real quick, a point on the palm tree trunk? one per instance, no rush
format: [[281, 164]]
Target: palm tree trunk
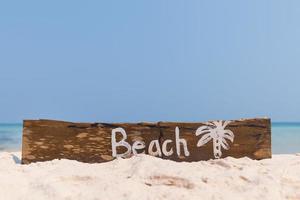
[[217, 148]]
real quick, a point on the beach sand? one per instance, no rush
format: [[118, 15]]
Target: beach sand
[[146, 177]]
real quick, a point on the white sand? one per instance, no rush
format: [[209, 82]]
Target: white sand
[[145, 177]]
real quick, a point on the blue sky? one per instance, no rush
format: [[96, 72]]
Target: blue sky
[[117, 61]]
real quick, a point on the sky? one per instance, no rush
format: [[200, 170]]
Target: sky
[[131, 61]]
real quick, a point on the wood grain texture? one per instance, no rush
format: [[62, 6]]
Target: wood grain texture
[[45, 140]]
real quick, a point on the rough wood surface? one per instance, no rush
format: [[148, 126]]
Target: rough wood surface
[[45, 140]]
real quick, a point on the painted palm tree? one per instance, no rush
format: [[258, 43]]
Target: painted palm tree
[[216, 131]]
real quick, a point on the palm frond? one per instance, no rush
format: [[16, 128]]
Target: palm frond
[[228, 137], [204, 139], [225, 124], [229, 134], [202, 130], [224, 144], [218, 123], [210, 123]]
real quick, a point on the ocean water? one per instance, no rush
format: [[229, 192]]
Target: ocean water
[[285, 137], [10, 137]]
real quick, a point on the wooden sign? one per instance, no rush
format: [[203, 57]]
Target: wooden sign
[[45, 140]]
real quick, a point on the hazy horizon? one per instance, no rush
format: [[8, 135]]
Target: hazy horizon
[[20, 123]]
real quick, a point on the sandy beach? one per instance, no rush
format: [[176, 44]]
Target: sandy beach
[[146, 177]]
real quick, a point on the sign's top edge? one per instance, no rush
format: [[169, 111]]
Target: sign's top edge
[[141, 122]]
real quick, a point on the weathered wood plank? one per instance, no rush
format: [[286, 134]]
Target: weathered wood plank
[[94, 142]]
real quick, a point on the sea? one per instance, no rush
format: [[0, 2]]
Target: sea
[[285, 137]]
